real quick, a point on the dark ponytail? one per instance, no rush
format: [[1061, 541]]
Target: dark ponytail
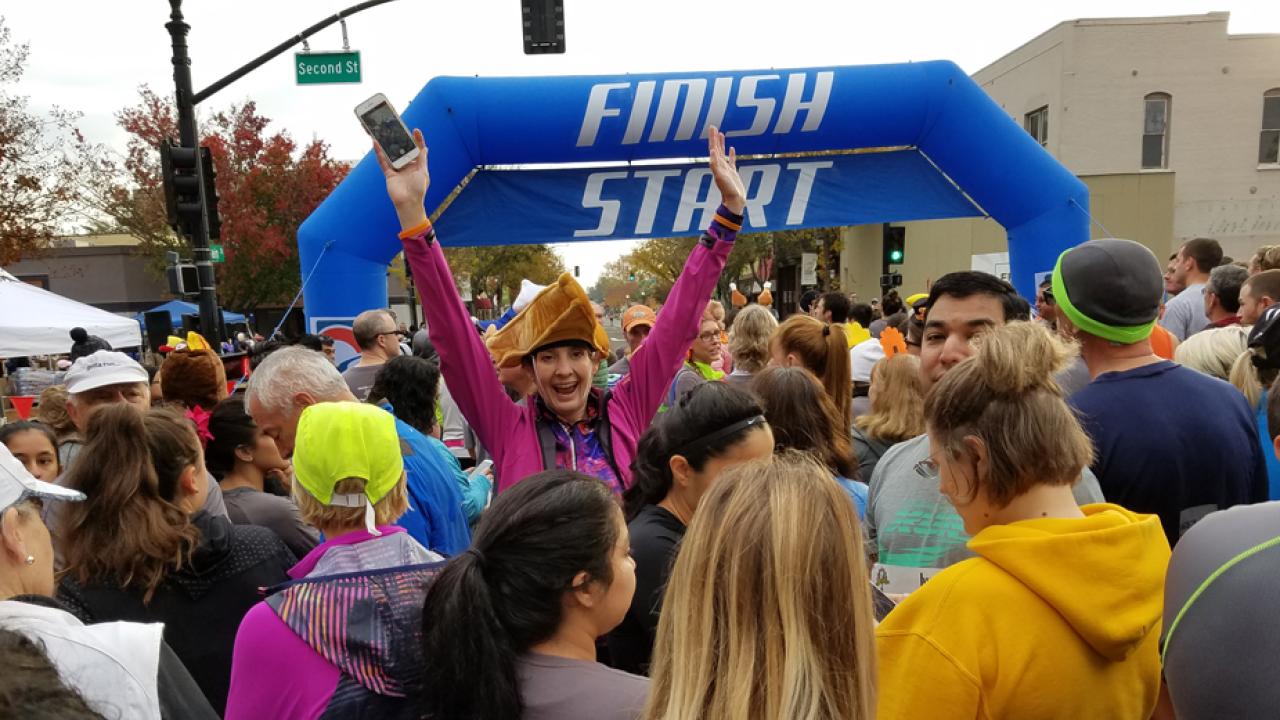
[[707, 409], [231, 428], [504, 595]]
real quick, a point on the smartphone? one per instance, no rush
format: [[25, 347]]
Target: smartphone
[[383, 123], [482, 467]]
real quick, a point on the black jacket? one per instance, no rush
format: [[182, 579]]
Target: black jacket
[[202, 604]]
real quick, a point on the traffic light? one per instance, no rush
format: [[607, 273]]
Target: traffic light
[[895, 245], [890, 280], [631, 277], [180, 173], [182, 277], [543, 25], [190, 189], [209, 191]]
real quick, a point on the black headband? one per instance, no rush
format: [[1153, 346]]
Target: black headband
[[705, 441]]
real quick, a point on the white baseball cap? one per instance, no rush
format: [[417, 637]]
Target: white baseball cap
[[102, 368], [16, 484], [863, 357]]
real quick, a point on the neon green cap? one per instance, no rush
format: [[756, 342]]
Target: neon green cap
[[340, 440]]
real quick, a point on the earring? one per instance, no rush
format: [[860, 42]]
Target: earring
[[31, 559]]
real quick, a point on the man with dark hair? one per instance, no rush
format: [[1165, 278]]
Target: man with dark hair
[[1222, 295], [833, 307], [327, 347], [1259, 292], [1171, 286], [912, 527], [1044, 304], [1184, 315], [861, 313], [1149, 449], [808, 303], [379, 337]]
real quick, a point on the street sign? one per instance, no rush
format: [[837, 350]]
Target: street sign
[[327, 68], [216, 254]]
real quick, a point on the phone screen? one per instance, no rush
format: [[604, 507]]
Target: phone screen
[[386, 128]]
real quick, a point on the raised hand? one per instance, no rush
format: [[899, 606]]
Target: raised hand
[[725, 171], [407, 187]]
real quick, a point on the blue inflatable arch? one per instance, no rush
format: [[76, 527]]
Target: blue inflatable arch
[[558, 159]]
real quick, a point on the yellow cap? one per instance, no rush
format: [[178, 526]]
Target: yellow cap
[[340, 440], [912, 299]]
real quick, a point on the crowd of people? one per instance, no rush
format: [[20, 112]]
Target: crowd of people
[[946, 505]]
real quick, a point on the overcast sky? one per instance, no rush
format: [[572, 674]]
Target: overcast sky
[[90, 56]]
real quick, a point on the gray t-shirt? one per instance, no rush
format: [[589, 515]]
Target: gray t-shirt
[[1223, 654], [247, 506], [1074, 377], [557, 688], [360, 379], [621, 367], [913, 528], [1184, 315]]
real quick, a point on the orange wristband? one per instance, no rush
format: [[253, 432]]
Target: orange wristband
[[419, 229], [736, 227]]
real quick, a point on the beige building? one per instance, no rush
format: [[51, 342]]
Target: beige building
[[1173, 123]]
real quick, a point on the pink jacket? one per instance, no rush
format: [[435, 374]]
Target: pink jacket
[[509, 431]]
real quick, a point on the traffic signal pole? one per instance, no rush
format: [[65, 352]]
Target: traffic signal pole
[[197, 232], [188, 137]]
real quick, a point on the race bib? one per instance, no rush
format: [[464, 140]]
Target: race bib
[[899, 579]]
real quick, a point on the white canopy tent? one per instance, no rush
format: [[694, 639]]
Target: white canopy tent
[[37, 322]]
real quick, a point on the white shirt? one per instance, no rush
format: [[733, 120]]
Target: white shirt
[[113, 665]]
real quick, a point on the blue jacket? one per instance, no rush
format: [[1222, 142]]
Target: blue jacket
[[435, 518]]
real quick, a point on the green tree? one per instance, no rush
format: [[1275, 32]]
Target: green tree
[[267, 185], [507, 264]]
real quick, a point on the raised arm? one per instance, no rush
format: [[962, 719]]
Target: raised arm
[[464, 359], [656, 363]]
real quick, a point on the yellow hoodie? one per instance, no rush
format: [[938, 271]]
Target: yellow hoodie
[[1055, 618]]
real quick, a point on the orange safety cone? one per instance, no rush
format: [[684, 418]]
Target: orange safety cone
[[22, 405]]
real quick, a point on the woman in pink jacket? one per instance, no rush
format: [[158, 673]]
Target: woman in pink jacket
[[567, 423]]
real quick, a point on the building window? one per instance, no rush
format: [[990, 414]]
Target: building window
[[1037, 123], [1155, 131], [1269, 142]]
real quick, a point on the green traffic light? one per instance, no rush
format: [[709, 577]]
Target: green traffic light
[[896, 255]]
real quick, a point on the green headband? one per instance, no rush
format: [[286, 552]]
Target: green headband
[[1114, 333]]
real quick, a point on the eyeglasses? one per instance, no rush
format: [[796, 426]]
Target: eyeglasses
[[391, 332], [927, 469], [710, 337]]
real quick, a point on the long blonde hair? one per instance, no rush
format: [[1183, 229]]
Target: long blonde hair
[[1223, 353], [768, 612], [897, 410]]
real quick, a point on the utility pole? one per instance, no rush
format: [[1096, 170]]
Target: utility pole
[[186, 99], [197, 231]]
